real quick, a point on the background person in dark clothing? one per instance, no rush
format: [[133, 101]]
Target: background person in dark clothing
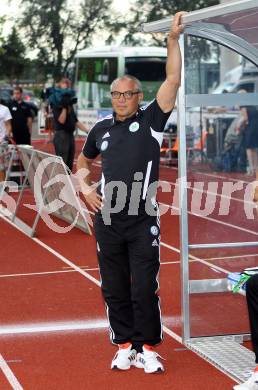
[[65, 123], [256, 189], [22, 118], [250, 116]]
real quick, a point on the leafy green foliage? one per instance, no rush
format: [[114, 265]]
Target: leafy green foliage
[[57, 31], [12, 56], [151, 10]]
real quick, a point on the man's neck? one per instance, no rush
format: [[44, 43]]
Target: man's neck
[[123, 118]]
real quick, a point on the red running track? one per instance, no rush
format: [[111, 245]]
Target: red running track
[[53, 333]]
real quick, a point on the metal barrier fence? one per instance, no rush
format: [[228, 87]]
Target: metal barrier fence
[[53, 190]]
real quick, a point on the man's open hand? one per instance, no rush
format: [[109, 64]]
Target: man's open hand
[[93, 199]]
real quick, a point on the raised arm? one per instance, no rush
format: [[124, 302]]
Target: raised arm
[[167, 92]]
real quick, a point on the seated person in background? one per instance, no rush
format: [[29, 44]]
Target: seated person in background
[[252, 303]]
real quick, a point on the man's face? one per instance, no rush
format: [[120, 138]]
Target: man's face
[[124, 107], [63, 85], [17, 95]]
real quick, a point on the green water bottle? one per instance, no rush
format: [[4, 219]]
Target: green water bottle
[[243, 279]]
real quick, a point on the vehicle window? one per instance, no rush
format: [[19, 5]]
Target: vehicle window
[[146, 68], [97, 70], [248, 87], [5, 93]]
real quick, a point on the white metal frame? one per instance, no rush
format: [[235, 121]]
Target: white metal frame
[[163, 25], [219, 35]]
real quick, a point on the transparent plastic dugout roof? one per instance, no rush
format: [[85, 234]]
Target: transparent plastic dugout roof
[[234, 24], [213, 246]]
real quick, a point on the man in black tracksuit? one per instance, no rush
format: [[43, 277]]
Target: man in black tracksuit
[[127, 222], [252, 303], [128, 243]]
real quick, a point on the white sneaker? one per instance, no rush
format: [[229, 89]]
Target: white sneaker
[[124, 358], [251, 384], [148, 360]]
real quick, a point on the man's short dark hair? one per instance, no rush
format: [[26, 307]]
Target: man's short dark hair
[[18, 89]]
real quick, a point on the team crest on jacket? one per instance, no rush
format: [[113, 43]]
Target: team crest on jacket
[[154, 230], [104, 146], [134, 127]]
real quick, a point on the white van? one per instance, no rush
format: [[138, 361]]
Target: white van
[[241, 77], [96, 68]]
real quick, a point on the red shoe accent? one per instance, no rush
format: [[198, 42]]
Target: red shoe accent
[[124, 346], [256, 370], [148, 347]]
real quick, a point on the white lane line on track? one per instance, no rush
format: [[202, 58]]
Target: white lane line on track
[[94, 280], [204, 191], [212, 266], [230, 257], [98, 164], [172, 334], [210, 218], [86, 274], [84, 267], [97, 269], [46, 272], [66, 271], [169, 262], [209, 174], [54, 327], [68, 262], [58, 255], [212, 258], [209, 192], [9, 375], [60, 326], [214, 220]]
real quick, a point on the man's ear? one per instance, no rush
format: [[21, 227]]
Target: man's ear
[[140, 97]]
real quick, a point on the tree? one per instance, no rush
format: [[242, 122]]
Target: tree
[[2, 21], [197, 50], [12, 56], [56, 31], [151, 10]]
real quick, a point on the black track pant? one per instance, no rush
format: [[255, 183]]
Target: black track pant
[[128, 254], [252, 302], [65, 147]]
